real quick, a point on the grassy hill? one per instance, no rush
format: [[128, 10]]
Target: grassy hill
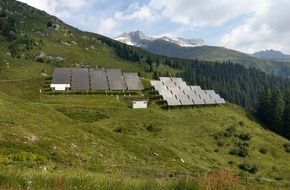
[[95, 141], [98, 135]]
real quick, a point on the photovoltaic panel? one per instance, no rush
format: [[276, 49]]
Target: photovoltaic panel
[[115, 79], [165, 94], [184, 99], [165, 79], [61, 76], [99, 79], [177, 80], [220, 101], [133, 81], [156, 84], [80, 79], [177, 91], [198, 101], [173, 102], [195, 88], [209, 101]]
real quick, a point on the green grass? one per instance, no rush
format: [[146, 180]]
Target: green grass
[[99, 135]]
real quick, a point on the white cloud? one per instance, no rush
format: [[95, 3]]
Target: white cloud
[[106, 26], [202, 13], [269, 28], [60, 8]]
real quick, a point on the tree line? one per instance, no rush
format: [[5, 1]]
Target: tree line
[[274, 109], [234, 82]]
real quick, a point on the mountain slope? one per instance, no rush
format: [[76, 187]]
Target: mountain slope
[[208, 53]]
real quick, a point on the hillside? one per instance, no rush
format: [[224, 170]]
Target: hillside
[[95, 141], [98, 133]]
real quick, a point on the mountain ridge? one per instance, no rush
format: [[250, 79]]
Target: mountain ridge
[[272, 55], [139, 39]]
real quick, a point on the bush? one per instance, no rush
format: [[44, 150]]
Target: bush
[[240, 151], [249, 167], [245, 136], [263, 150], [231, 131], [287, 147], [151, 128]]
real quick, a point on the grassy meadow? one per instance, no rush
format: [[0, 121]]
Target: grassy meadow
[[61, 141]]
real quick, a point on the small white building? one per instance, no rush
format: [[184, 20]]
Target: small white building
[[139, 104], [60, 86]]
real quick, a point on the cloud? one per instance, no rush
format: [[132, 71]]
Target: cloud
[[106, 26], [267, 29], [203, 13], [60, 8]]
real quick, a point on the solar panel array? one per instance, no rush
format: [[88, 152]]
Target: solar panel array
[[97, 79], [176, 92]]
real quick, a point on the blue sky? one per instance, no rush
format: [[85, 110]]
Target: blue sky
[[244, 25]]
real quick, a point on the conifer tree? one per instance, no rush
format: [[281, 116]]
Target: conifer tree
[[277, 115], [264, 104], [286, 129]]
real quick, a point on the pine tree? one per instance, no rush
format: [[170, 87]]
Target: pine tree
[[264, 104], [277, 103], [286, 129]]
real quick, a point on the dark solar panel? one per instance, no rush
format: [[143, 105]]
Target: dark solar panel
[[133, 81], [80, 79], [98, 79], [115, 79], [61, 76]]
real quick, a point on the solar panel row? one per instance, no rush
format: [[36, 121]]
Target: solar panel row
[[97, 79], [176, 92]]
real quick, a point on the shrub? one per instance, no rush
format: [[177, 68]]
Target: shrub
[[263, 150], [287, 147], [151, 128], [249, 167], [240, 151], [218, 136], [231, 131], [118, 130], [245, 136], [241, 123], [220, 143]]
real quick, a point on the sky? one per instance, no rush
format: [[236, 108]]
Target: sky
[[244, 25]]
